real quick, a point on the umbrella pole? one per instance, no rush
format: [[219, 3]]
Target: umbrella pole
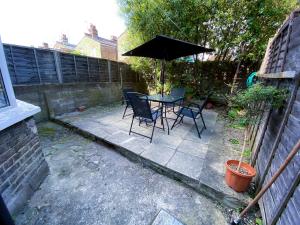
[[162, 76]]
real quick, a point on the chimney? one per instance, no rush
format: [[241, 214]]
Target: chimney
[[113, 38], [93, 31], [45, 45], [64, 39]]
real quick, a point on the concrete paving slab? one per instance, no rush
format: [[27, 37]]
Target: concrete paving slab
[[118, 137], [136, 144], [158, 155], [164, 218], [192, 148], [186, 164]]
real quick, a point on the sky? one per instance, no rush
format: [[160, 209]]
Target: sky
[[32, 22]]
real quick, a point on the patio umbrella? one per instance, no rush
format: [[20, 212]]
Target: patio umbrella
[[166, 49]]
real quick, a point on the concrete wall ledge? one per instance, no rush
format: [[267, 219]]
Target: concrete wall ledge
[[12, 115]]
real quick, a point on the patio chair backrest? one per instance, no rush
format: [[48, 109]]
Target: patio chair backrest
[[141, 107], [125, 91], [204, 102], [177, 92]]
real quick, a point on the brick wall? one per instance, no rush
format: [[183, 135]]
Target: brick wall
[[22, 163], [109, 52]]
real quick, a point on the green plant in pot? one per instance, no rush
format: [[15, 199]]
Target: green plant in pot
[[245, 109]]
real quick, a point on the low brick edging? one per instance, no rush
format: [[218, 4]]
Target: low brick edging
[[202, 188], [22, 163]]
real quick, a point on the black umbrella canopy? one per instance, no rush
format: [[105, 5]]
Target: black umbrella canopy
[[166, 48]]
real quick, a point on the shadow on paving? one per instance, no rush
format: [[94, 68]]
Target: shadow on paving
[[90, 184], [199, 163]]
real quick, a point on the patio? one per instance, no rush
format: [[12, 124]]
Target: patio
[[198, 163]]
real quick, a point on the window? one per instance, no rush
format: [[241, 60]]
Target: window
[[7, 95], [3, 95]]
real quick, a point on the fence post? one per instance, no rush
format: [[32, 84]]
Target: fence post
[[121, 76], [109, 71], [99, 70], [88, 67], [58, 66], [75, 66], [37, 65]]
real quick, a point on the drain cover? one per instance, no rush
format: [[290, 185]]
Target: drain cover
[[164, 218]]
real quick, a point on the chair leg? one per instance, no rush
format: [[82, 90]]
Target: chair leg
[[175, 121], [197, 127], [131, 125], [163, 125], [181, 120], [203, 120], [152, 131], [125, 111]]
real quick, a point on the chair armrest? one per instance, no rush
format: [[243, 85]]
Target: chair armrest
[[186, 107], [193, 104], [141, 94]]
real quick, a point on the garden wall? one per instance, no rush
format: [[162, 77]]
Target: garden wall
[[60, 82], [279, 131]]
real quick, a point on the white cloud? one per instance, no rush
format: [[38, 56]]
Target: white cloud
[[32, 22]]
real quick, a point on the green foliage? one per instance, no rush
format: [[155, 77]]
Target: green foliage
[[76, 52], [248, 103], [47, 131], [258, 221], [233, 113], [247, 153], [234, 28], [234, 141]]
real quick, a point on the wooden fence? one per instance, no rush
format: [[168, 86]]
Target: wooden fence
[[29, 65], [279, 130]]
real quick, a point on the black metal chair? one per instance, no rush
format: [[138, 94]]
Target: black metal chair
[[193, 111], [126, 101], [142, 111], [175, 92]]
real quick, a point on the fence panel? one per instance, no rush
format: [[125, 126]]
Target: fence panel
[[82, 68], [115, 75], [10, 63], [47, 68], [94, 69], [22, 65], [103, 70], [67, 64]]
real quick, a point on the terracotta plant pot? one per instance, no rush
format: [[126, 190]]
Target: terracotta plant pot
[[236, 180]]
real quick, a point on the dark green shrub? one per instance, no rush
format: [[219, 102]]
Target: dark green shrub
[[251, 102]]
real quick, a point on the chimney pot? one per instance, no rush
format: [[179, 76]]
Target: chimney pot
[[45, 45], [93, 31], [114, 38], [64, 39]]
